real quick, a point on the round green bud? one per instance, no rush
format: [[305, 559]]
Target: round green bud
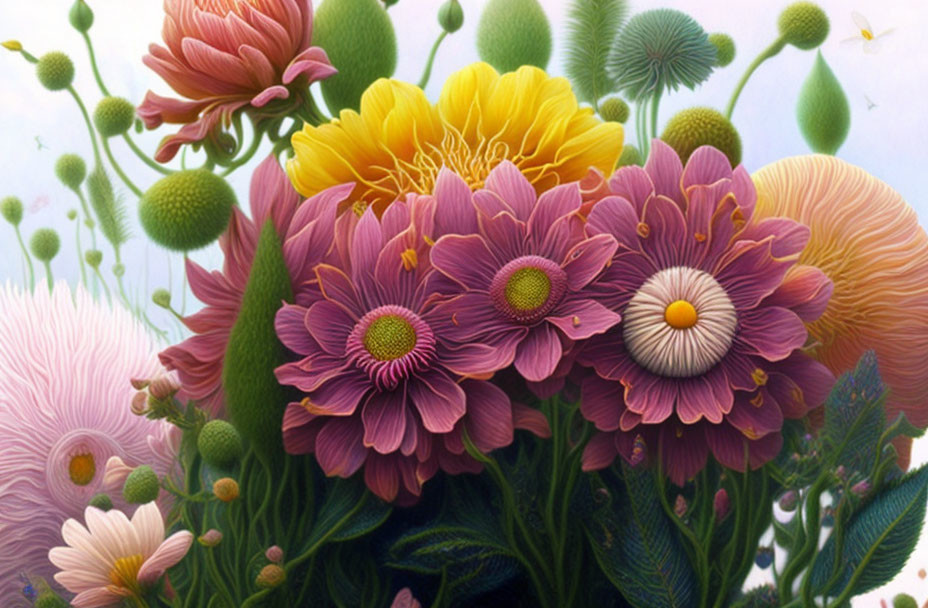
[[271, 576], [119, 270], [161, 297], [72, 214], [513, 33], [45, 244], [219, 444], [451, 16], [71, 170], [187, 210], [359, 39], [724, 49], [904, 600], [80, 16], [12, 210], [630, 156], [93, 257], [700, 126], [50, 599], [614, 109], [803, 25], [142, 486], [113, 116], [55, 71], [101, 501]]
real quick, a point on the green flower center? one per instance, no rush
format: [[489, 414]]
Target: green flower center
[[389, 337], [528, 289]]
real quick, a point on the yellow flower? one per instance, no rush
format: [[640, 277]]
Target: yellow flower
[[400, 141]]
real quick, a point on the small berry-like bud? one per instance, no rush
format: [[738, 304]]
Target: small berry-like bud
[[803, 25], [764, 557], [45, 244], [695, 127], [630, 156], [721, 504], [142, 486], [12, 210], [274, 554], [72, 214], [861, 488], [904, 600], [226, 489], [451, 16], [680, 506], [639, 451], [101, 501], [161, 297], [12, 45], [80, 16], [789, 500], [71, 170], [55, 71], [113, 116], [212, 538], [219, 444], [93, 257], [139, 404], [724, 49], [270, 576], [614, 109]]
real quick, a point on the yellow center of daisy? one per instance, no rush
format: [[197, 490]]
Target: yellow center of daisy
[[680, 314], [389, 337], [528, 289], [125, 572], [82, 469]]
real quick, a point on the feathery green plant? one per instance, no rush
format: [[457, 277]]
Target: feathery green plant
[[109, 208], [592, 26]]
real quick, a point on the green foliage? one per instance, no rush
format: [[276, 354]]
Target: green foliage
[[724, 49], [349, 512], [764, 596], [513, 33], [109, 209], [823, 111], [592, 26]]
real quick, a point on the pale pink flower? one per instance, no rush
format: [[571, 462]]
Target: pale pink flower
[[115, 557]]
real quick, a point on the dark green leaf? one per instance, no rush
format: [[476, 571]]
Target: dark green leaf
[[903, 427], [592, 26], [346, 500], [784, 533], [764, 596]]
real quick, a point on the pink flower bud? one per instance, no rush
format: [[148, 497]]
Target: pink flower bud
[[139, 405], [679, 507], [212, 538], [721, 504], [139, 384], [274, 554], [163, 387], [789, 500], [861, 488]]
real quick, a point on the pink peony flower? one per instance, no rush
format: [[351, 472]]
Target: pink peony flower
[[115, 558], [709, 354], [65, 367], [225, 55]]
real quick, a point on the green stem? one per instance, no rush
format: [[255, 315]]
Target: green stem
[[655, 103], [48, 275], [798, 562], [22, 245], [106, 289], [144, 157], [93, 65], [428, 64], [255, 143], [766, 54], [80, 252], [125, 178], [640, 128], [557, 445], [93, 135]]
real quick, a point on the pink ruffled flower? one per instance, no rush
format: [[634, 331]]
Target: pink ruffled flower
[[225, 55], [115, 558], [307, 235], [405, 599], [709, 354]]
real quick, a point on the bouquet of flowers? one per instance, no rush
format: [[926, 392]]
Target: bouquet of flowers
[[468, 351]]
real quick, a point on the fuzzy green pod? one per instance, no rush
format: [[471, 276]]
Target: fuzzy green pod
[[451, 16], [113, 116], [219, 444], [109, 208], [141, 486], [823, 111], [359, 39], [80, 16], [101, 501], [187, 210], [55, 71], [93, 257], [630, 156], [255, 400], [71, 170], [803, 25], [724, 48], [45, 244], [904, 600], [695, 127], [614, 109], [11, 208], [161, 297], [513, 33]]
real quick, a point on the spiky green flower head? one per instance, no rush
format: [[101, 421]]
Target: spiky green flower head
[[614, 109], [359, 39], [71, 170], [630, 156], [451, 16], [141, 486], [803, 25], [55, 71], [219, 444], [80, 16], [45, 244], [724, 48], [113, 116], [101, 501], [187, 210], [701, 126], [11, 208], [93, 257], [660, 50], [513, 33], [904, 600]]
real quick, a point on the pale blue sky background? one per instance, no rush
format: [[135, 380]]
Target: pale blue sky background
[[888, 140]]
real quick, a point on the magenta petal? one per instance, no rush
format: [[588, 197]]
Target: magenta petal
[[382, 477], [683, 451], [530, 419], [755, 416], [587, 259], [789, 237], [513, 188], [269, 94], [337, 287], [600, 452], [665, 170], [806, 291], [340, 395], [749, 272], [504, 235], [466, 259], [384, 418], [313, 63], [454, 212], [538, 355], [489, 415], [601, 402], [697, 400], [727, 445], [290, 325], [771, 332], [330, 326], [580, 319], [440, 401], [706, 165], [651, 396], [666, 231], [616, 216], [300, 429], [339, 447], [478, 359], [467, 317], [311, 372], [633, 184], [799, 384], [365, 249], [552, 205]]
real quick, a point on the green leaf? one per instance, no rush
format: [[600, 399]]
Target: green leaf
[[823, 111], [637, 548], [784, 532], [592, 26], [369, 518], [878, 540], [346, 510], [109, 208], [903, 427], [764, 596], [513, 33]]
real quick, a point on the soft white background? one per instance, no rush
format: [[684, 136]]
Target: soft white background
[[888, 140]]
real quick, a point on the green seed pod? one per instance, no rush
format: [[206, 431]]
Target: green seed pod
[[513, 33], [630, 156], [142, 486], [45, 244], [187, 210], [451, 16], [359, 39], [271, 576], [71, 170], [80, 16], [72, 214], [55, 71], [161, 297], [724, 49], [101, 501], [904, 600], [113, 116], [695, 127], [93, 257], [803, 25], [219, 444], [614, 109], [823, 111], [12, 210]]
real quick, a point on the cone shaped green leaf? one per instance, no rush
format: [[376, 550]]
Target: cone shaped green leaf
[[513, 33], [823, 111]]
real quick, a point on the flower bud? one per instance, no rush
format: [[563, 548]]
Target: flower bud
[[724, 49], [12, 45], [270, 576], [803, 25], [161, 297], [764, 557], [680, 506], [904, 600], [93, 257], [55, 71], [163, 387], [639, 451], [139, 384], [71, 170], [113, 116], [721, 504], [695, 127], [219, 444], [11, 208], [101, 501], [841, 472], [630, 156], [822, 110], [187, 210], [142, 486], [80, 16], [72, 214], [861, 488], [789, 500], [513, 33], [274, 554], [614, 109], [45, 244], [119, 269], [451, 16], [139, 404], [226, 489], [211, 539]]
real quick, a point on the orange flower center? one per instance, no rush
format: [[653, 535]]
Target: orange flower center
[[82, 469], [680, 314], [125, 572]]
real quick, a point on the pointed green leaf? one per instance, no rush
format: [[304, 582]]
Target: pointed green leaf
[[823, 111], [592, 26]]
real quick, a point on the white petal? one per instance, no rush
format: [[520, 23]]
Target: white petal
[[171, 551]]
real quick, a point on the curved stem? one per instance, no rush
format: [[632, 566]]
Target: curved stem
[[80, 252], [798, 562], [48, 275], [22, 245], [106, 289], [241, 160], [93, 135], [144, 157], [428, 64], [655, 103], [93, 65], [766, 54], [125, 178]]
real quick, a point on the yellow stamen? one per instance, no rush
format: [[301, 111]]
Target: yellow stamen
[[82, 469], [410, 259], [680, 315], [125, 572], [643, 230], [867, 34], [759, 376]]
